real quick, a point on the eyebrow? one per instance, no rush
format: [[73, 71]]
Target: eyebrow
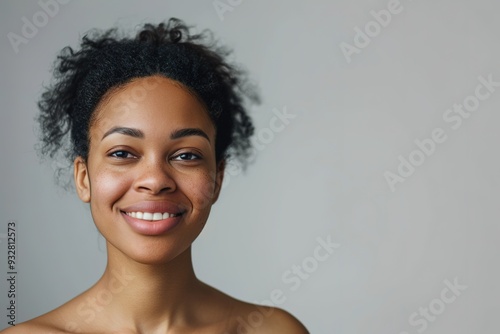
[[188, 132], [136, 133]]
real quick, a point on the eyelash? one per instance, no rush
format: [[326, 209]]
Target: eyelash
[[192, 155], [196, 156], [113, 154]]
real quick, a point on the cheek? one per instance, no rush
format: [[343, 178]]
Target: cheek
[[107, 187], [201, 191]]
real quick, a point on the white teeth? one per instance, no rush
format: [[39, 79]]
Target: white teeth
[[151, 216]]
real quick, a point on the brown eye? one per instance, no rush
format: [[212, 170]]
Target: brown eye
[[121, 154], [187, 156]]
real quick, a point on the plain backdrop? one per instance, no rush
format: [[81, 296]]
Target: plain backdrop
[[323, 174]]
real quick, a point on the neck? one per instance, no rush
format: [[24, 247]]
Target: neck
[[146, 297]]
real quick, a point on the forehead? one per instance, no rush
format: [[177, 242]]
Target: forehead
[[151, 102]]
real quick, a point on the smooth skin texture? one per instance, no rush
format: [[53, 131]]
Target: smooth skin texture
[[156, 146]]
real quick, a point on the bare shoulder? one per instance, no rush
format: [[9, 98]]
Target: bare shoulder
[[32, 327], [250, 318], [258, 319], [52, 322], [281, 321]]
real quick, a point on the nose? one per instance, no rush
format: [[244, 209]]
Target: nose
[[155, 177]]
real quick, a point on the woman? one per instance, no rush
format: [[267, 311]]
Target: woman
[[152, 121]]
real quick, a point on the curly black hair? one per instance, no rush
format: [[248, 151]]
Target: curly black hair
[[106, 61]]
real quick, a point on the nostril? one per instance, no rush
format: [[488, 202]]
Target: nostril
[[156, 186]]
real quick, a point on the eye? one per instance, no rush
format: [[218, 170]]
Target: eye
[[121, 154], [186, 156]]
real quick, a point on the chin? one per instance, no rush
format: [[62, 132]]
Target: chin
[[149, 251]]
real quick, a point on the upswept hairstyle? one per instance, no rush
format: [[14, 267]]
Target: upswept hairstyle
[[106, 60]]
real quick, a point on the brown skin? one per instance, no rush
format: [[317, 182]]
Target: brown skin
[[149, 285]]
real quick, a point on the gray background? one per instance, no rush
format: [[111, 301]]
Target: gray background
[[322, 175]]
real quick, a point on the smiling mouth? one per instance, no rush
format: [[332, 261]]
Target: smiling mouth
[[152, 216]]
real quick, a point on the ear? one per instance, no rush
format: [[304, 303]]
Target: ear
[[82, 181], [219, 176]]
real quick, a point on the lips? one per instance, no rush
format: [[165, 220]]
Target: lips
[[153, 217]]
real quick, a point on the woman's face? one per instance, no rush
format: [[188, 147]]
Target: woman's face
[[151, 175]]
